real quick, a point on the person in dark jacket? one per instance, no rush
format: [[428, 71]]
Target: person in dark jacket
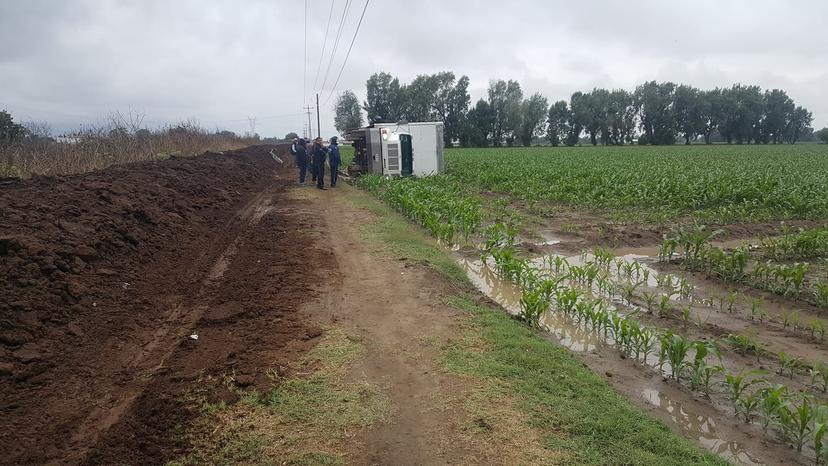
[[334, 160], [319, 152], [301, 159], [293, 145], [309, 148]]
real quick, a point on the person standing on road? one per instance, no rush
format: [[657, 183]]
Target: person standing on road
[[293, 146], [301, 160], [334, 160], [319, 152], [309, 149]]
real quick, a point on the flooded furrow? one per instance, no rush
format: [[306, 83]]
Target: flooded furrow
[[712, 428]]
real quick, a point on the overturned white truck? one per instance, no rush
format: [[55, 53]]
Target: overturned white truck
[[399, 149]]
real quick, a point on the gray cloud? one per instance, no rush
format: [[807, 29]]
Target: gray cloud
[[220, 62]]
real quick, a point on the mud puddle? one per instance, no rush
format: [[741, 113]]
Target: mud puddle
[[713, 430], [699, 427]]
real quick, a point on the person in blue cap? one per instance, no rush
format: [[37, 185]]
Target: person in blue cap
[[334, 160]]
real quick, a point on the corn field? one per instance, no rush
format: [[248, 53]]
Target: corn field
[[724, 183]]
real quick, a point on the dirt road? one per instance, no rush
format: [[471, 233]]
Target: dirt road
[[135, 295], [394, 305]]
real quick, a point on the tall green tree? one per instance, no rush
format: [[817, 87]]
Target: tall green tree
[[384, 98], [10, 132], [580, 114], [749, 110], [687, 112], [778, 108], [348, 115], [418, 98], [505, 100], [654, 104], [451, 104], [710, 112], [596, 123], [533, 118], [798, 124], [479, 126], [620, 117], [822, 135], [557, 123], [457, 108]]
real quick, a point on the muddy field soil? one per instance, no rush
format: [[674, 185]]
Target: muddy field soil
[[133, 294]]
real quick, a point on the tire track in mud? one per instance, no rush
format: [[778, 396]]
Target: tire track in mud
[[127, 380], [177, 325]]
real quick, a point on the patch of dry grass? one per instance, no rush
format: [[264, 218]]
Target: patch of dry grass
[[94, 148], [305, 420]]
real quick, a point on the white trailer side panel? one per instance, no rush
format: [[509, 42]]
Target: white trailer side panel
[[424, 144]]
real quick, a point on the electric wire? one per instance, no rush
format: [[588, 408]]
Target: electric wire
[[324, 44], [353, 39], [336, 43], [305, 67]]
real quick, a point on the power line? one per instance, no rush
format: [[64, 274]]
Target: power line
[[305, 75], [324, 43], [336, 42], [333, 88]]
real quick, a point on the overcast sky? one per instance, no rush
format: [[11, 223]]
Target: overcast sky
[[221, 61]]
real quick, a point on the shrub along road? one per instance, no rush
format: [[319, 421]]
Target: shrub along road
[[330, 330]]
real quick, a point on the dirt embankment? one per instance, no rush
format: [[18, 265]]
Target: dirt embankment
[[105, 276]]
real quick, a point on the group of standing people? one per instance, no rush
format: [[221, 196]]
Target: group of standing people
[[303, 150]]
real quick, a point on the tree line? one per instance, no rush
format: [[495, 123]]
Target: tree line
[[654, 113]]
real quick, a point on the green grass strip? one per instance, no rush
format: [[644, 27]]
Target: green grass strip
[[578, 413]]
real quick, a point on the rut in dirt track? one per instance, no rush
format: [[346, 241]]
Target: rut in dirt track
[[108, 273]]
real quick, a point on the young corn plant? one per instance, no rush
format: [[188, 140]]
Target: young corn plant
[[650, 300], [685, 314], [533, 303], [645, 344], [664, 309], [797, 420], [699, 371], [748, 404], [756, 310], [685, 288], [819, 376], [773, 399], [819, 434], [694, 242], [746, 344], [667, 249], [788, 364], [738, 383], [675, 348], [820, 291], [790, 319], [817, 328], [731, 298]]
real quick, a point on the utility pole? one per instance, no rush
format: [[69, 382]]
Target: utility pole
[[318, 126], [310, 127]]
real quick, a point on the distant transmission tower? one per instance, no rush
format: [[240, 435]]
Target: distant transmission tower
[[308, 111], [252, 122]]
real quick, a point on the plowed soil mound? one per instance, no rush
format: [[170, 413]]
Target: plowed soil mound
[[106, 275]]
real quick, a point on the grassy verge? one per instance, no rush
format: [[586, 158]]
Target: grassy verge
[[577, 416], [304, 420], [393, 234], [575, 409]]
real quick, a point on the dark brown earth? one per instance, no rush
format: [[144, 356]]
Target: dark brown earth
[[105, 277]]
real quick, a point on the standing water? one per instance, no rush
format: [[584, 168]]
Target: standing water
[[579, 338]]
